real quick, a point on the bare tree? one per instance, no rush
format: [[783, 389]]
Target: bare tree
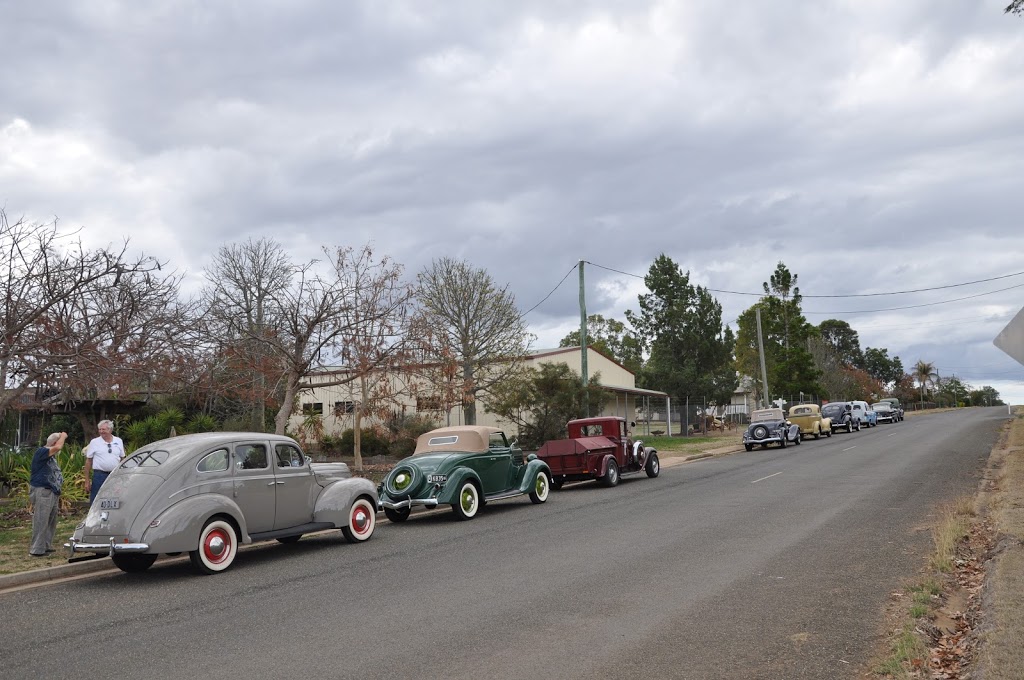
[[372, 333], [301, 320], [242, 313], [474, 324], [82, 324]]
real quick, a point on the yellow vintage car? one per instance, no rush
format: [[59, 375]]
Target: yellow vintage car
[[810, 420]]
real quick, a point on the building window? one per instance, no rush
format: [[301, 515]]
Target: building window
[[313, 409], [428, 403], [342, 408]]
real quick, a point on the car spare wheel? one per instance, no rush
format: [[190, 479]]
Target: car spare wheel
[[760, 432]]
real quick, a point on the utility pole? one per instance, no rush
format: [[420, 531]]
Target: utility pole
[[760, 350], [583, 342]]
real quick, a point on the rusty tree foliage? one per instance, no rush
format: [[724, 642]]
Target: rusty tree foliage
[[81, 324]]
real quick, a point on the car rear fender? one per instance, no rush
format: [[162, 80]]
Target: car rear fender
[[450, 491], [336, 500], [178, 527]]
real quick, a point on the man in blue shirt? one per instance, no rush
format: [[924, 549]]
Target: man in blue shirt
[[44, 491]]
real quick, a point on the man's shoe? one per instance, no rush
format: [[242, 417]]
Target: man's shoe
[[37, 555], [50, 550]]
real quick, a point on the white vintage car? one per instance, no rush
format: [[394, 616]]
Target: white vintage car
[[206, 494]]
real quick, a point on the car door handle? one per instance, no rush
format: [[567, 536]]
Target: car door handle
[[273, 483]]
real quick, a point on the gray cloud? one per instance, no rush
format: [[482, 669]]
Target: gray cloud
[[870, 147]]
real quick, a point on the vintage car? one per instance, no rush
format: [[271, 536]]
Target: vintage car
[[808, 417], [206, 494], [598, 448], [897, 407], [885, 412], [863, 413], [841, 415], [465, 466], [769, 426]]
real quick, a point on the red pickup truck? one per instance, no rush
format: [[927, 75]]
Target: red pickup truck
[[597, 448]]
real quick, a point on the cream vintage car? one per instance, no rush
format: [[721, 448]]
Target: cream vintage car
[[207, 494], [810, 420]]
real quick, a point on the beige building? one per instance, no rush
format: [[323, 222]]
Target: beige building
[[335, 403]]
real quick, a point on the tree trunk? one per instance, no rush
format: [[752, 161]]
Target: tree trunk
[[285, 412]]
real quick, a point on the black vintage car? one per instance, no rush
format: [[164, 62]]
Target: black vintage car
[[769, 426], [841, 413]]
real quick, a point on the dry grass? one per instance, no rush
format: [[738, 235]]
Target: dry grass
[[953, 526], [1003, 638]]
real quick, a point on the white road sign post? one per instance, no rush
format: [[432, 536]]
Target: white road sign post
[[1011, 338]]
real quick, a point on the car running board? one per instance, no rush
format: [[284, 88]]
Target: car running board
[[292, 531]]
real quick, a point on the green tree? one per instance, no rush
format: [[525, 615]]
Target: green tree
[[786, 333], [543, 400], [952, 391], [681, 326], [925, 375], [880, 367], [611, 338], [986, 396], [844, 341]]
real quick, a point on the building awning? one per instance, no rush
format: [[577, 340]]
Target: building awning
[[636, 391]]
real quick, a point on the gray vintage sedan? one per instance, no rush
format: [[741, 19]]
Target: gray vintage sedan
[[205, 494]]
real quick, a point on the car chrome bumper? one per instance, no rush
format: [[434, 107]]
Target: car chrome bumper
[[76, 546], [409, 503]]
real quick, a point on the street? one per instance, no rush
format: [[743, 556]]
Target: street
[[770, 564]]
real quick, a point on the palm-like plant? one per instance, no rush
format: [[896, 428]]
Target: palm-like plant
[[925, 374]]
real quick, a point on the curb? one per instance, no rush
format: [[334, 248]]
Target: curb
[[53, 573]]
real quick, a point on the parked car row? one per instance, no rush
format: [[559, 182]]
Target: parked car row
[[208, 494], [771, 426]]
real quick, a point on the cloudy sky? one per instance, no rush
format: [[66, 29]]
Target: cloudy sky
[[872, 146]]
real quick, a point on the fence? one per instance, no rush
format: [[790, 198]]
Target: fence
[[699, 416]]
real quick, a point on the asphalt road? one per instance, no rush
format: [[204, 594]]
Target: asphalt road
[[770, 564]]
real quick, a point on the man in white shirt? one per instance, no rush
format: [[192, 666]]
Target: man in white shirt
[[102, 455]]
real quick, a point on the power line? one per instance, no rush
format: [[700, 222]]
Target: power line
[[571, 269], [926, 304], [851, 295]]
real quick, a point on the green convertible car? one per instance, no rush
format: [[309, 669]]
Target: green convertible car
[[465, 467]]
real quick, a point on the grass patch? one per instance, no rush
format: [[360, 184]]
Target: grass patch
[[954, 525], [906, 657], [908, 653], [16, 536]]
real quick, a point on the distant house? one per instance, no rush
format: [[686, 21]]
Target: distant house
[[335, 404]]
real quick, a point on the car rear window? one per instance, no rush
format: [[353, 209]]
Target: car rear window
[[443, 441], [145, 459]]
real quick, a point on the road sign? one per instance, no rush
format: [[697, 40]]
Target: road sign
[[1011, 338]]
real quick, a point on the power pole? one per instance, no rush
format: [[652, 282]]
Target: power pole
[[583, 342], [760, 350]]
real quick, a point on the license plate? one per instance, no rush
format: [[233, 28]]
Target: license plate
[[110, 504], [437, 478]]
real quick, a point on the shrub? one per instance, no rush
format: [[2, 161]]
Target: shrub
[[403, 432], [371, 443]]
